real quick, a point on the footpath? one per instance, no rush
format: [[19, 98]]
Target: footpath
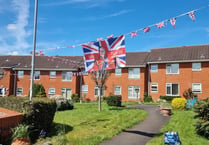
[[144, 131]]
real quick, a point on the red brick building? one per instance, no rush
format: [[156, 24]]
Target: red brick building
[[166, 71]]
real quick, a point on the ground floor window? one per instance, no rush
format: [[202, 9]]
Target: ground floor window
[[172, 89], [97, 91], [66, 92], [85, 89], [196, 87], [51, 92], [117, 90], [154, 87], [132, 92], [19, 91]]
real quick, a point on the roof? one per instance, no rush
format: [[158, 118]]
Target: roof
[[41, 62], [136, 58], [179, 54]]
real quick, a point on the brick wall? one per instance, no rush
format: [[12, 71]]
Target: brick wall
[[185, 78], [6, 81]]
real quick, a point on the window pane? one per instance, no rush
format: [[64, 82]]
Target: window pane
[[117, 90], [37, 75], [174, 68], [118, 71], [20, 74], [67, 76], [84, 88], [196, 66], [19, 91], [154, 68], [196, 88], [168, 89], [175, 89], [52, 74], [134, 72]]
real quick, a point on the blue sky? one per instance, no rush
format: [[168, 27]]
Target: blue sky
[[71, 22]]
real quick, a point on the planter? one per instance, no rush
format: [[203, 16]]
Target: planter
[[22, 141], [166, 111]]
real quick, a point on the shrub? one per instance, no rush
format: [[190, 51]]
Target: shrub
[[39, 114], [75, 97], [169, 98], [114, 100], [38, 90], [202, 113], [179, 103], [188, 94], [147, 98], [63, 103]]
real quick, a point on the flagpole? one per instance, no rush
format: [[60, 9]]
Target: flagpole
[[34, 49]]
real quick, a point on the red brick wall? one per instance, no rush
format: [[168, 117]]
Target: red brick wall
[[6, 81], [122, 81], [185, 78], [47, 82]]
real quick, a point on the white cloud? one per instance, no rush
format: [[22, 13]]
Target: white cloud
[[14, 37], [13, 53]]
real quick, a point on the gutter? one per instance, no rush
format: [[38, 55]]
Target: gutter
[[179, 61]]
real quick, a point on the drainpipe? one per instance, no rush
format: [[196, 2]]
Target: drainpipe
[[148, 80], [14, 85]]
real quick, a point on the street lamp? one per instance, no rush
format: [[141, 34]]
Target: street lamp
[[137, 92]]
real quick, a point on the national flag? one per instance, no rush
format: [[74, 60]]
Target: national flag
[[114, 48], [160, 25], [99, 39], [173, 22], [133, 34], [110, 36], [191, 15], [147, 29]]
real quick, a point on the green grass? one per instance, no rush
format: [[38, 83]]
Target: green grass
[[86, 126], [182, 122]]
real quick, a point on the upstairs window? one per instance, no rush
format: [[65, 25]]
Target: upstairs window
[[134, 73], [154, 68], [52, 74], [172, 68], [67, 76], [118, 71], [20, 74], [196, 66], [37, 75]]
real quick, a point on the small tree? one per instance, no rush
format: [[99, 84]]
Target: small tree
[[38, 90], [188, 94], [100, 78]]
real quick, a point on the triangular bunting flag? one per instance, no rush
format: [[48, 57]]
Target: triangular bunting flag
[[173, 22], [191, 15]]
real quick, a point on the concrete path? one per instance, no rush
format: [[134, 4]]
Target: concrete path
[[144, 131]]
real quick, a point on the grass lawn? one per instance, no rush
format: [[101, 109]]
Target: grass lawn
[[181, 121], [86, 126]]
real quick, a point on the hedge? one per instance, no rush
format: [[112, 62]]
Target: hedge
[[169, 98], [114, 100]]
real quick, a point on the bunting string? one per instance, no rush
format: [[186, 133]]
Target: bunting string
[[146, 29]]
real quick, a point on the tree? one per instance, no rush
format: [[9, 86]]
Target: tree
[[100, 78]]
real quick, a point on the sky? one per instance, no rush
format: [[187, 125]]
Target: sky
[[72, 22]]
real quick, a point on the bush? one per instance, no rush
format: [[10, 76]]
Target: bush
[[202, 113], [75, 97], [38, 90], [179, 103], [39, 114], [169, 98], [114, 101], [63, 103], [147, 98]]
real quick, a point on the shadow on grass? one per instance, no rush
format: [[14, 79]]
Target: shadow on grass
[[143, 133], [58, 129]]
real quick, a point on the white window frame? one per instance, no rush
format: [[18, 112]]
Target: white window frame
[[193, 66], [21, 91], [39, 75], [50, 92], [133, 94], [118, 71], [117, 92], [152, 66], [131, 74], [154, 84], [196, 91], [85, 89], [67, 73], [170, 84], [20, 73], [170, 69], [97, 88], [52, 74]]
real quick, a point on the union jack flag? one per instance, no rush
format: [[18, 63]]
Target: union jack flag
[[115, 55]]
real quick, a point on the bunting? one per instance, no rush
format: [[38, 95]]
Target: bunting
[[160, 25], [173, 22], [191, 15]]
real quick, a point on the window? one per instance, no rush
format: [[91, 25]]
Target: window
[[97, 91], [172, 68], [117, 90], [20, 74], [66, 92], [196, 87], [52, 74], [154, 68], [172, 89], [67, 76], [51, 91], [134, 73], [84, 88], [118, 71], [37, 75], [19, 91], [196, 66], [132, 92], [154, 87]]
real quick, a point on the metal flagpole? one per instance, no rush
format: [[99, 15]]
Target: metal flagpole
[[34, 49]]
